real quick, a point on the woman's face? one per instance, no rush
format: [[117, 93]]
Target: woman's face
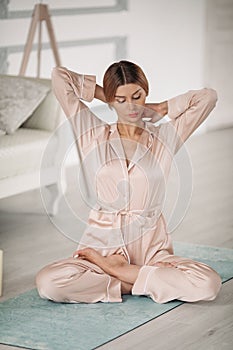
[[129, 102]]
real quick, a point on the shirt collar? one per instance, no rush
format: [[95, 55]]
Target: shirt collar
[[147, 126]]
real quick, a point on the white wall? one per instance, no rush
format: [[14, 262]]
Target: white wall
[[165, 37], [219, 58]]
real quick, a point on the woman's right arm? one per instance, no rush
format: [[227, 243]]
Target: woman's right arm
[[70, 87]]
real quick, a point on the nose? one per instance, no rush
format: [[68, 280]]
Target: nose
[[131, 106]]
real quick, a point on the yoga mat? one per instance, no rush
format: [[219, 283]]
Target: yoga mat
[[31, 322]]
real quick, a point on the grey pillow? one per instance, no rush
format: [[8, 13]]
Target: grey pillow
[[19, 97]]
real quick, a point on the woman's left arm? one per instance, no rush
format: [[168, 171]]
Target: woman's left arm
[[189, 110]]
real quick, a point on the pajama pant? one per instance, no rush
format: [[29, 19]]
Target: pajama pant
[[75, 280]]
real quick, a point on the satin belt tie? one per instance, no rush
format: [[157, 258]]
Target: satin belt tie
[[130, 213]]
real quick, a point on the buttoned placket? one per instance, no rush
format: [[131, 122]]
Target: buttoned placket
[[119, 150]]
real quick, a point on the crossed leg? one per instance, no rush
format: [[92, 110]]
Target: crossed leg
[[169, 278], [76, 281], [117, 265], [91, 278]]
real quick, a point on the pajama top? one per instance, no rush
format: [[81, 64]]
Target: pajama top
[[126, 216]]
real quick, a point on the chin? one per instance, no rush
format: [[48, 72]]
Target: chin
[[129, 120], [135, 119]]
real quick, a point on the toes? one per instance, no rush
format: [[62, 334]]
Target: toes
[[165, 264]]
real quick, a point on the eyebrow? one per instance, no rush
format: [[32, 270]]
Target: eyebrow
[[132, 94]]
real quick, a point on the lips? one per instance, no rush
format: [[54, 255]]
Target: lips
[[133, 115]]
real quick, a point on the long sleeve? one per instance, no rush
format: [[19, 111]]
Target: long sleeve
[[70, 89], [189, 110]]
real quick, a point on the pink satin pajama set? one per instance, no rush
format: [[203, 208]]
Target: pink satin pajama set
[[127, 215]]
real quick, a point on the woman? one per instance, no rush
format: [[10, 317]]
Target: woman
[[125, 247]]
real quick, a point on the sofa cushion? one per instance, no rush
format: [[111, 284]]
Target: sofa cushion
[[47, 115], [19, 97], [22, 152]]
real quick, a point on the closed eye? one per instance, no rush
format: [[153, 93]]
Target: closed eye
[[121, 101]]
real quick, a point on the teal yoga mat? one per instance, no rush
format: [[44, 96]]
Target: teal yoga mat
[[31, 322]]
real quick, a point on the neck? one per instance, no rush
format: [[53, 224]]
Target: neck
[[130, 130]]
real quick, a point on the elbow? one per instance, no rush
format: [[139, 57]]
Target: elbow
[[212, 96], [55, 72], [58, 77], [58, 72]]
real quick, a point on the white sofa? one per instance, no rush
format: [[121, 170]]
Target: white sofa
[[21, 153], [23, 164]]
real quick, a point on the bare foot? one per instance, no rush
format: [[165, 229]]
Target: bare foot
[[108, 264], [166, 264], [126, 288], [114, 265], [88, 254]]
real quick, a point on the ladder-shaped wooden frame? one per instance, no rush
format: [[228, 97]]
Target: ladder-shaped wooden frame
[[40, 13]]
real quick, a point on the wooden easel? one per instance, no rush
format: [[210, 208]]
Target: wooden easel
[[40, 13]]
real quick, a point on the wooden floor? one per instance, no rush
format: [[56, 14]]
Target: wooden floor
[[29, 241]]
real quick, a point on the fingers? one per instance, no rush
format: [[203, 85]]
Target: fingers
[[86, 253], [75, 254], [80, 254]]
